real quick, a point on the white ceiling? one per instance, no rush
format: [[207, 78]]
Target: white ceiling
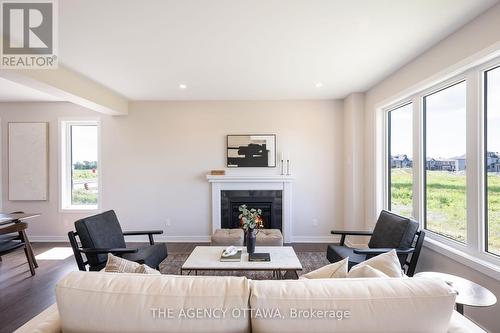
[[14, 92], [250, 49]]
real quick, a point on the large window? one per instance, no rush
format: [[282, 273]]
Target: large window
[[445, 162], [400, 146], [492, 159], [453, 185], [80, 168]]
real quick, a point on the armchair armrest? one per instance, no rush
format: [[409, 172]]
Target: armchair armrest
[[110, 250], [350, 232], [383, 250], [150, 234], [142, 232], [344, 233]]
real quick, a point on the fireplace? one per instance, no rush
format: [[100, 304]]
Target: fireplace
[[269, 201], [258, 186]]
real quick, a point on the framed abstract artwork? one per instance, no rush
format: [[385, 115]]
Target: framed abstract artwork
[[251, 151], [28, 161]]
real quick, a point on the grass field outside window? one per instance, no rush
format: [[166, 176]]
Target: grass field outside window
[[446, 195]]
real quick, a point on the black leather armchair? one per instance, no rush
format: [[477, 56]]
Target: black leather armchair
[[392, 231], [101, 234]]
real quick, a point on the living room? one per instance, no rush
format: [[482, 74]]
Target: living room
[[341, 126]]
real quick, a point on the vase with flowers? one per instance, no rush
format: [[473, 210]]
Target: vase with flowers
[[250, 220]]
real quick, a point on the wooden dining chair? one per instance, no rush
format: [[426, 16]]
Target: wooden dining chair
[[13, 237]]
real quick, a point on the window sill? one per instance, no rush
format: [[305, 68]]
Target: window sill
[[469, 260], [79, 209]]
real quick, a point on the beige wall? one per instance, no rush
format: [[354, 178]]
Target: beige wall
[[479, 35], [154, 162]]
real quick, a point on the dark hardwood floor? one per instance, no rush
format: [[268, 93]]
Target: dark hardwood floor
[[22, 296]]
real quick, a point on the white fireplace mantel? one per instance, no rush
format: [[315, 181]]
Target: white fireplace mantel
[[243, 182]]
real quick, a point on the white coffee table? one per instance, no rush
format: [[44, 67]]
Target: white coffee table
[[207, 258]]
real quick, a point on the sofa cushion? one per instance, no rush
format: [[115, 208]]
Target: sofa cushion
[[106, 302], [352, 305], [335, 270], [388, 263], [145, 269], [366, 271], [119, 265], [393, 231]]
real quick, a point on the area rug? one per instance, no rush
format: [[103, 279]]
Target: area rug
[[309, 260]]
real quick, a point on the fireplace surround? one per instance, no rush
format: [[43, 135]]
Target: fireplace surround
[[253, 183]]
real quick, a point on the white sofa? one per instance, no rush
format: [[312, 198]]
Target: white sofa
[[107, 302]]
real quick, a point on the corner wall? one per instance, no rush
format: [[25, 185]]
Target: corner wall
[[354, 161]]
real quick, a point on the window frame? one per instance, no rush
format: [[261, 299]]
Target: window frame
[[446, 85], [473, 253], [65, 165], [484, 93], [388, 166]]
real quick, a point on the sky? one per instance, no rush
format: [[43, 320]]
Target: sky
[[84, 143], [446, 121]]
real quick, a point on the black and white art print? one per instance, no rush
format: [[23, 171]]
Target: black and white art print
[[251, 151]]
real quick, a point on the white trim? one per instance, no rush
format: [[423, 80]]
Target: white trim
[[473, 158], [143, 239], [249, 179], [314, 239], [48, 239], [63, 151], [387, 169], [202, 239], [277, 183], [418, 158], [170, 239]]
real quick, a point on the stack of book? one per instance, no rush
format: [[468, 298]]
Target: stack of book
[[259, 257], [234, 258]]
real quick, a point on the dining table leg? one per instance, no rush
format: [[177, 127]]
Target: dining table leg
[[28, 252], [28, 245]]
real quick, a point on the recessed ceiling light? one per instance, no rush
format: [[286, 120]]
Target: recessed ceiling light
[[318, 85], [183, 86]]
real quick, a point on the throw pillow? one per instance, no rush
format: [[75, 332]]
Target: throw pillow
[[119, 265], [365, 272], [145, 269], [388, 263], [335, 270]]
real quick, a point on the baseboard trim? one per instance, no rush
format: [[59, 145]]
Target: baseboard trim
[[192, 239], [313, 239], [48, 239], [178, 239], [170, 239]]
